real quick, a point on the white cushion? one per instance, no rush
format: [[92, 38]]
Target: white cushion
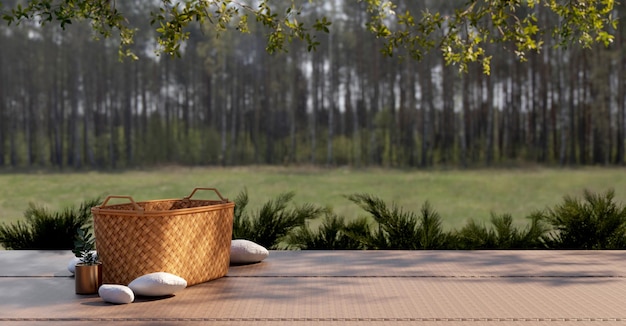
[[71, 265], [115, 293], [246, 252], [157, 284]]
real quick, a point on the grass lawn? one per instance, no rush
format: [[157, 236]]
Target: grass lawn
[[457, 195]]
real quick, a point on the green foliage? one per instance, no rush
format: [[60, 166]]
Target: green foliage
[[398, 229], [273, 222], [502, 235], [171, 21], [84, 246], [44, 230], [464, 36], [584, 21], [102, 15], [430, 229], [598, 222], [473, 236], [333, 234], [461, 36]]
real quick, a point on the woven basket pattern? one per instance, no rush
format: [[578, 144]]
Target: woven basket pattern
[[188, 238]]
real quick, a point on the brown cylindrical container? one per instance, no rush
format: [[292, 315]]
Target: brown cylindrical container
[[88, 278]]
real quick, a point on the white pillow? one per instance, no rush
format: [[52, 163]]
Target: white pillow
[[157, 284], [71, 265], [246, 252], [115, 293]]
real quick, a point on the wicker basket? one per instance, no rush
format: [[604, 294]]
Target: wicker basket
[[186, 237]]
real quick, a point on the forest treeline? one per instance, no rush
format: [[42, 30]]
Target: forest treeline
[[67, 101]]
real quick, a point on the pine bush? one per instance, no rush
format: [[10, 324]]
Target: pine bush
[[332, 234], [398, 229], [597, 222], [502, 235], [45, 230], [270, 226]]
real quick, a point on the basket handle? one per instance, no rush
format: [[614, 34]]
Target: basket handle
[[217, 192], [137, 207]]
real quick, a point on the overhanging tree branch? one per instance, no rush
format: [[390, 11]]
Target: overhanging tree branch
[[461, 35]]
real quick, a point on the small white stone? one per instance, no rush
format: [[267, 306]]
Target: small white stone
[[71, 265], [246, 252], [114, 293], [157, 284]]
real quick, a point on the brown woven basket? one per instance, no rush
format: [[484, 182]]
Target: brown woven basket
[[186, 237]]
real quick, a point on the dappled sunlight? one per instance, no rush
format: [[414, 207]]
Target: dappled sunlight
[[339, 285], [541, 264]]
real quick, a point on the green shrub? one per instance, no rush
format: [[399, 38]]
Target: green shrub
[[430, 230], [273, 222], [595, 223], [473, 236], [332, 234], [397, 229], [45, 230], [502, 235]]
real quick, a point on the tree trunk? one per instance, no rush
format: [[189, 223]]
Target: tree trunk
[[620, 92], [315, 102], [465, 120], [448, 130], [330, 94], [428, 108], [490, 122], [564, 106]]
